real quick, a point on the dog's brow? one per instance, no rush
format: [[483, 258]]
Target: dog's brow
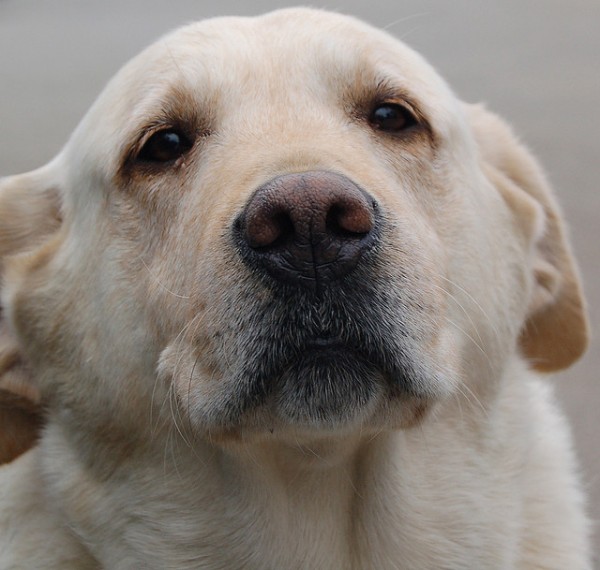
[[177, 108]]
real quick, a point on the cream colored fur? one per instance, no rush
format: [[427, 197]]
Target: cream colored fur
[[119, 280]]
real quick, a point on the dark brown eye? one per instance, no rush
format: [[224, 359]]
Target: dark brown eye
[[164, 146], [391, 118]]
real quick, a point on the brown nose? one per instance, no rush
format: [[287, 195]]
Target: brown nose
[[308, 228]]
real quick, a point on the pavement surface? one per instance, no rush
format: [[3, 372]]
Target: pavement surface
[[536, 63]]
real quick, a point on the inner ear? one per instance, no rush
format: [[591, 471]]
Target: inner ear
[[21, 416], [20, 423]]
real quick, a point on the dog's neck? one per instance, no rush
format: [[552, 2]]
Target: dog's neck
[[299, 502], [272, 504]]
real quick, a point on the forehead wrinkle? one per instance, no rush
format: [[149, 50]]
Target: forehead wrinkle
[[267, 55], [234, 50]]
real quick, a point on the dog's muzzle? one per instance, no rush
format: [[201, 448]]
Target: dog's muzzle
[[316, 334]]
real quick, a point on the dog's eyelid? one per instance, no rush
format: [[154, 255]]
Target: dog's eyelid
[[406, 104], [386, 91], [396, 102], [165, 146], [396, 116], [188, 134], [157, 126]]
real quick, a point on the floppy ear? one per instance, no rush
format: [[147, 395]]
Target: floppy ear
[[29, 210], [29, 213], [555, 332]]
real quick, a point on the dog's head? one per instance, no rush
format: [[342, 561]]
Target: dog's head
[[279, 225]]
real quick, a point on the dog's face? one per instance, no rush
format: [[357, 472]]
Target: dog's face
[[282, 225]]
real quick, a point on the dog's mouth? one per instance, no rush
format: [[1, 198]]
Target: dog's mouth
[[353, 356], [325, 343], [329, 383]]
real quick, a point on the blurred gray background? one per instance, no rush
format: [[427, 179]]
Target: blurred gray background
[[536, 62]]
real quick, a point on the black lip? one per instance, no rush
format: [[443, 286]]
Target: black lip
[[321, 343]]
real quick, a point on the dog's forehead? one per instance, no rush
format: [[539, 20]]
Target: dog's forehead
[[283, 37], [289, 48], [253, 66]]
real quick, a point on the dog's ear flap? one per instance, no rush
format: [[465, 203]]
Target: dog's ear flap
[[556, 331], [29, 214], [30, 210]]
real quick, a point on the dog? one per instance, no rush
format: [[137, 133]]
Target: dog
[[284, 301]]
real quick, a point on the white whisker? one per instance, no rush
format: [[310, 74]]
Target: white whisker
[[159, 283], [475, 303]]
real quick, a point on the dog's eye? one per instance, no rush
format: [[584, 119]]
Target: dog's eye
[[164, 146], [391, 118]]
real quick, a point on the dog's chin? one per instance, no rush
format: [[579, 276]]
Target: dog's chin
[[326, 390], [327, 387]]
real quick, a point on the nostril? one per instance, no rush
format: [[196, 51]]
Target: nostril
[[269, 231], [336, 226], [350, 220]]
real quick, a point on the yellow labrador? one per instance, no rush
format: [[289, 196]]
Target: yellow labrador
[[287, 303]]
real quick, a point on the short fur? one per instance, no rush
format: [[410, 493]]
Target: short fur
[[187, 424]]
